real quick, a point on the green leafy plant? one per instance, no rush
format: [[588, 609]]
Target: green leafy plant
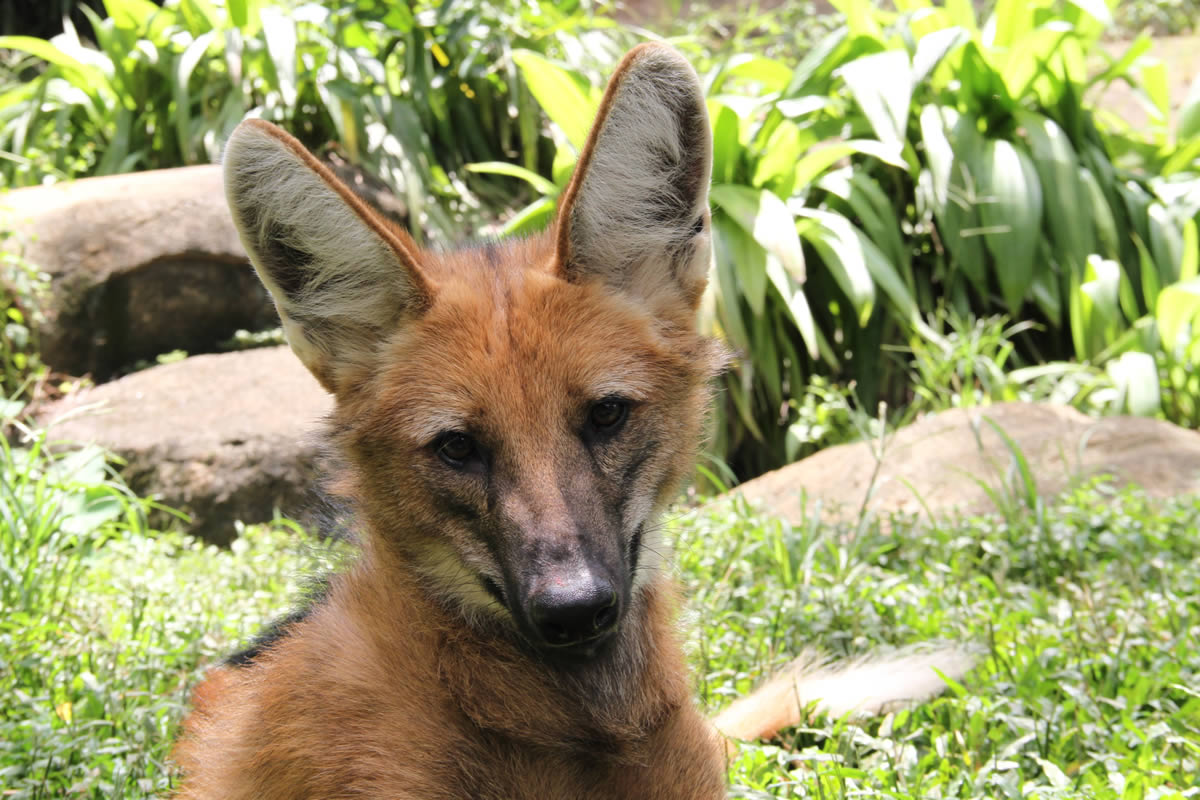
[[916, 158], [55, 509], [409, 91]]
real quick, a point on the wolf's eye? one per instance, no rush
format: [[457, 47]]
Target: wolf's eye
[[607, 415], [455, 449]]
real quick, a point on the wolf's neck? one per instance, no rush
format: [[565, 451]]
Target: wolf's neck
[[503, 685], [620, 696]]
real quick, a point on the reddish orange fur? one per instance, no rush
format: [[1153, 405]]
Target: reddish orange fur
[[383, 691], [391, 688], [413, 677]]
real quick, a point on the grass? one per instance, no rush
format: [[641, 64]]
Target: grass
[[1086, 613]]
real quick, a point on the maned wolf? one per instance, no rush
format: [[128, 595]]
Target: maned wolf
[[514, 418]]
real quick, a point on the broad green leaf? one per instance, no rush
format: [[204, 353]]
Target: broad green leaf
[[803, 106], [765, 217], [200, 16], [84, 76], [1189, 267], [938, 152], [954, 169], [132, 15], [535, 180], [279, 29], [1030, 58], [238, 12], [773, 75], [797, 305], [747, 260], [963, 14], [815, 163], [1097, 9], [859, 16], [810, 74], [183, 105], [728, 246], [559, 95], [1189, 114], [934, 47], [1151, 284], [779, 158], [1047, 286], [1108, 237], [1136, 377], [874, 211], [1011, 211], [1064, 192], [532, 218], [1166, 243], [1098, 306], [1176, 313], [1156, 87], [882, 85], [1010, 21], [245, 15], [843, 256], [727, 148], [565, 159]]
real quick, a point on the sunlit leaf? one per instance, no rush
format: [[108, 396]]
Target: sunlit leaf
[[1136, 378], [1176, 314], [568, 106], [765, 217], [1011, 211], [772, 75], [882, 86], [1189, 113], [279, 28]]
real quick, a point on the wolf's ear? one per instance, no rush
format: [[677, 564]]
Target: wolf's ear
[[340, 277], [635, 214]]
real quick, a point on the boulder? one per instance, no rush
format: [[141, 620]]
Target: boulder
[[224, 437], [139, 264], [943, 463]]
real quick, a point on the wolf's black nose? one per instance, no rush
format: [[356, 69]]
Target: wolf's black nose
[[571, 614]]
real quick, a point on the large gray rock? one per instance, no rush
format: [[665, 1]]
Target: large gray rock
[[140, 264], [222, 437], [943, 463]]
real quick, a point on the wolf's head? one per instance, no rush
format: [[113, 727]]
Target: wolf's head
[[516, 414]]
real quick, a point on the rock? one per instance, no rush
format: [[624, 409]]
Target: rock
[[222, 437], [936, 464], [140, 264]]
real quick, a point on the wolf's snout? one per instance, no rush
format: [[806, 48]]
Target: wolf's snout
[[570, 614]]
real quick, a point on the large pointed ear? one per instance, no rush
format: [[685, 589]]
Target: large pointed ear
[[339, 275], [635, 214]]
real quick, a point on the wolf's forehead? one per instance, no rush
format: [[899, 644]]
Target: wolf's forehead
[[536, 351]]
